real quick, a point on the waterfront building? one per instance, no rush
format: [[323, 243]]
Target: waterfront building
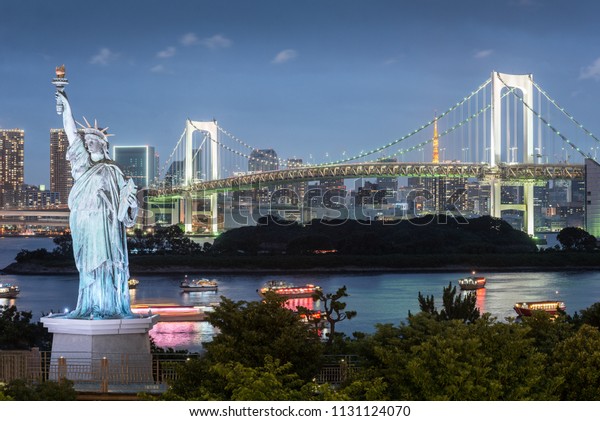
[[12, 166], [39, 197], [592, 198], [137, 162], [61, 180]]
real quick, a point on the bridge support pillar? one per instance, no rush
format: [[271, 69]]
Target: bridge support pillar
[[495, 198], [210, 173], [529, 213]]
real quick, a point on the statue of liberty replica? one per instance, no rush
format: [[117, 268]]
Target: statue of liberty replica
[[102, 204]]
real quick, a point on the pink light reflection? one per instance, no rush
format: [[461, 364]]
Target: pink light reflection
[[182, 335]]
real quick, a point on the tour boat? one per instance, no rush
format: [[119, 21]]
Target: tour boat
[[472, 282], [9, 291], [173, 312], [550, 307], [198, 285], [133, 283], [288, 290]]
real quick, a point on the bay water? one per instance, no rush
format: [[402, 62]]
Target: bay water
[[377, 297]]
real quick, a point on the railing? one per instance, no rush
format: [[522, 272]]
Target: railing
[[126, 373], [104, 373]]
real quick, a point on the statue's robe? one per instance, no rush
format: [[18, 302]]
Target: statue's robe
[[99, 216]]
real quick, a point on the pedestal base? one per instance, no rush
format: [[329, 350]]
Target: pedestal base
[[100, 354]]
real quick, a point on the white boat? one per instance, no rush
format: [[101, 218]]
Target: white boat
[[9, 291], [199, 285]]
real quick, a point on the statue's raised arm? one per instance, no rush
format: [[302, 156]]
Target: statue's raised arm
[[67, 114]]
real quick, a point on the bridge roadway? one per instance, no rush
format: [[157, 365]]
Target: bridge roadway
[[505, 173], [34, 216]]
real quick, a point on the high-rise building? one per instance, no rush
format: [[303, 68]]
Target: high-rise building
[[61, 180], [263, 160], [12, 166], [592, 197], [137, 162]]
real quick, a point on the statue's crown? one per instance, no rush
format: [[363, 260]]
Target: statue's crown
[[95, 130]]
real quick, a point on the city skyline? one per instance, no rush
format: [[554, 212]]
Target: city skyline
[[298, 77]]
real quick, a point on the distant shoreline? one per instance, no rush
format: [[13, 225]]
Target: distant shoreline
[[36, 269]]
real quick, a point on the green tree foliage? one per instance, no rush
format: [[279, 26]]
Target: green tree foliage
[[17, 331], [455, 306], [251, 331], [334, 310], [591, 315], [432, 234], [577, 365], [164, 240], [432, 359], [20, 390], [575, 238]]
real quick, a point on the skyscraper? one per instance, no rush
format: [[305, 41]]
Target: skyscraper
[[12, 166], [263, 160], [137, 162], [61, 179]]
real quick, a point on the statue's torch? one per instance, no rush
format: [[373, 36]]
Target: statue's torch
[[60, 81]]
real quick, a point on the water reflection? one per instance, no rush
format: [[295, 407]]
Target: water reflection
[[182, 335]]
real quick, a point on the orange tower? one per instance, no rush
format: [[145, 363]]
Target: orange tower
[[436, 145]]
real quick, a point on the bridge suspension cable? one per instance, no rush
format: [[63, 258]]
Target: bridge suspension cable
[[414, 132], [561, 109], [168, 161], [557, 132], [450, 129]]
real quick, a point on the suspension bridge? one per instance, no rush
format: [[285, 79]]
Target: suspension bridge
[[508, 131]]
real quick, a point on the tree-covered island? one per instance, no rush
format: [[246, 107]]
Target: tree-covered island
[[428, 243]]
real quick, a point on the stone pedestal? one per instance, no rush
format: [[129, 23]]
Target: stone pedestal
[[101, 354]]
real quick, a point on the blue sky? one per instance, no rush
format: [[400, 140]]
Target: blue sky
[[303, 76]]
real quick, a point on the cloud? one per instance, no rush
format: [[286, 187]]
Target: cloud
[[166, 53], [284, 56], [592, 71], [104, 57], [216, 42], [189, 39], [158, 69], [483, 53]]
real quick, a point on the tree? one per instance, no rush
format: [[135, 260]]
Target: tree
[[591, 315], [250, 331], [20, 390], [334, 309], [577, 365], [455, 306], [17, 331], [64, 246], [575, 238]]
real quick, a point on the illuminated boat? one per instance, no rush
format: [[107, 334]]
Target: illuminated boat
[[471, 283], [9, 291], [289, 290], [172, 312], [133, 283], [550, 307], [199, 285]]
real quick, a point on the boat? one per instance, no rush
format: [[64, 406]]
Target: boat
[[472, 282], [173, 312], [199, 285], [289, 290], [9, 291], [133, 283], [550, 307]]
